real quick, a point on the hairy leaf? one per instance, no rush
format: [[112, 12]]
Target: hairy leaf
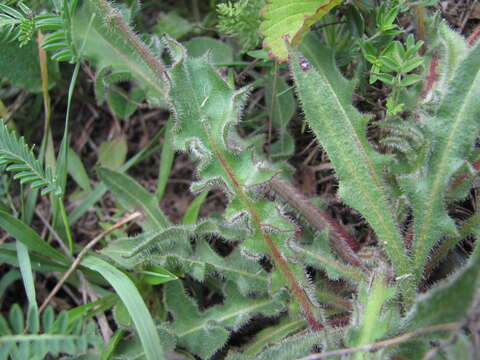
[[286, 20], [206, 112], [104, 37], [204, 333], [326, 99], [453, 129]]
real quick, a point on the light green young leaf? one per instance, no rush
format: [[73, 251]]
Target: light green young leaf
[[453, 130], [204, 333], [221, 53], [326, 99], [112, 153], [134, 303], [77, 170], [286, 20], [374, 319], [191, 215]]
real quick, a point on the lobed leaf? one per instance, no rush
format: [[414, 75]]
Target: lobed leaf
[[205, 333]]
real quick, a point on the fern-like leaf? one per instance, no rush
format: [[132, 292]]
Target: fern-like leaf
[[58, 335], [19, 158], [286, 20]]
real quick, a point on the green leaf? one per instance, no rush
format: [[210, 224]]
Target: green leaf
[[325, 95], [155, 275], [172, 24], [282, 108], [22, 232], [220, 52], [25, 70], [286, 20], [166, 159], [77, 170], [273, 334], [207, 110], [135, 197], [295, 347], [19, 158], [447, 302], [375, 319], [191, 215], [172, 249], [112, 153], [133, 301], [205, 333], [123, 103], [97, 30], [453, 130]]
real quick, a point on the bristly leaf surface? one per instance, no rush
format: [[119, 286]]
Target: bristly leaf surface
[[326, 99], [453, 130]]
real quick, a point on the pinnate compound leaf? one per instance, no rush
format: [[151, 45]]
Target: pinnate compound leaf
[[19, 341], [326, 99], [20, 159], [286, 20], [453, 130], [204, 333]]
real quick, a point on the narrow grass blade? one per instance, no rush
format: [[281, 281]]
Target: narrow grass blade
[[134, 303]]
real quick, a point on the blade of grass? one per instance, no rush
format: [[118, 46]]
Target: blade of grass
[[22, 232], [134, 303], [166, 159]]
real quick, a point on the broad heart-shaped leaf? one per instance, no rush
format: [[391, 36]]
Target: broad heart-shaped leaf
[[206, 112], [94, 32], [453, 130], [290, 20], [204, 333], [326, 99]]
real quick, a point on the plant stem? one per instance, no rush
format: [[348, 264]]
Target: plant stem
[[66, 225], [343, 243], [115, 18], [278, 258]]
